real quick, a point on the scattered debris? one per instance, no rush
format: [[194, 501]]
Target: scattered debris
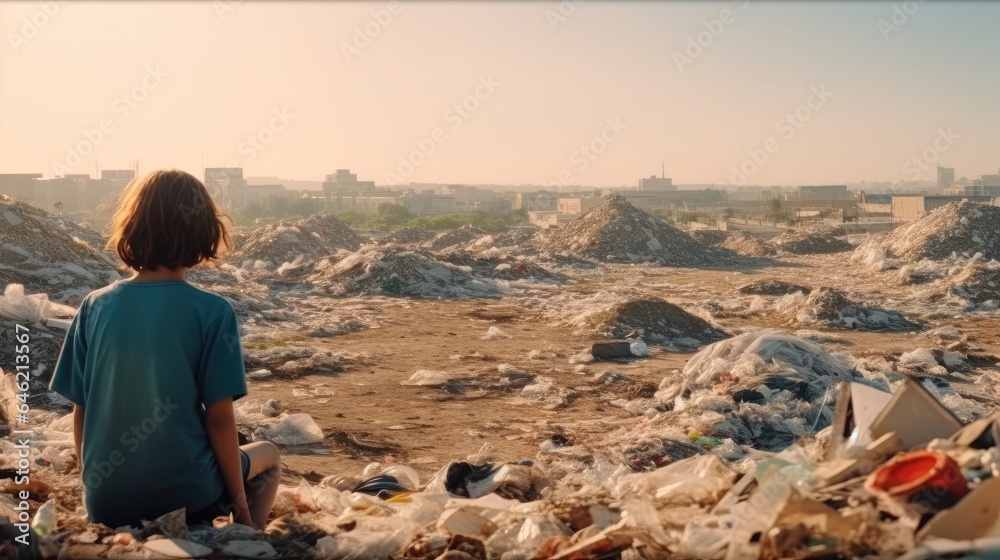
[[810, 243]]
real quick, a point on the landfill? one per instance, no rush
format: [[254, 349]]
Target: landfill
[[832, 308], [396, 271], [748, 245], [962, 228], [282, 242], [617, 231], [485, 401], [806, 243], [451, 238], [655, 321]]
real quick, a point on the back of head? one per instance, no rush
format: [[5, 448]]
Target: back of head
[[167, 219]]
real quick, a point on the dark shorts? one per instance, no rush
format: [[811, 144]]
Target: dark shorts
[[223, 505]]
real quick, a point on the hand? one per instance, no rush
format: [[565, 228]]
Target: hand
[[244, 518]]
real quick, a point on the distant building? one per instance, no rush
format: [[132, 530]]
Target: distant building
[[427, 202], [654, 183], [945, 177], [577, 205], [985, 185], [258, 194], [343, 181], [906, 208], [820, 192], [19, 185], [227, 186], [541, 201]]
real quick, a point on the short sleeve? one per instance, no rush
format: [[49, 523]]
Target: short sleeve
[[221, 373], [68, 376]]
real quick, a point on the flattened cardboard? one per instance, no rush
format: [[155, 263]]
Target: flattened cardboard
[[974, 517], [916, 416]]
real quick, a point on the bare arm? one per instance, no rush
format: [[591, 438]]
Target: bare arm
[[220, 422], [78, 433]]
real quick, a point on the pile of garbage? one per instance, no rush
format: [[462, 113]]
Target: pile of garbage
[[773, 288], [407, 236], [509, 242], [617, 231], [455, 237], [748, 245], [763, 389], [655, 321], [829, 307], [394, 270], [810, 243], [961, 228], [46, 253], [974, 285], [281, 242]]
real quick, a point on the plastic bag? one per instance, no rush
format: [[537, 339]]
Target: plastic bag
[[290, 429], [692, 481], [20, 307]]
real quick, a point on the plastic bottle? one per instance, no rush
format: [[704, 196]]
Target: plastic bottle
[[44, 522]]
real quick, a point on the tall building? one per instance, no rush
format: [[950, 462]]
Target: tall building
[[945, 177], [343, 181], [227, 186]]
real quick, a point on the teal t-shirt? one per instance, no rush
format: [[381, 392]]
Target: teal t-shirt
[[145, 359]]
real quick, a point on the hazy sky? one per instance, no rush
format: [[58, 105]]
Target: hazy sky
[[589, 93]]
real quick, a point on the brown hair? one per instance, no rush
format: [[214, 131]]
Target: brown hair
[[167, 218]]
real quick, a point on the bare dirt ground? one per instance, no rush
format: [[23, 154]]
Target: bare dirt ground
[[372, 416]]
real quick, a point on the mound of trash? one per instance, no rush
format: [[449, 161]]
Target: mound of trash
[[773, 288], [963, 228], [656, 322], [281, 242], [493, 244], [977, 285], [396, 271], [455, 237], [46, 253], [831, 308], [748, 245], [764, 389], [810, 243], [407, 236], [617, 231]]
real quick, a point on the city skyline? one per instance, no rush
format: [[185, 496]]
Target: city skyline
[[546, 93]]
